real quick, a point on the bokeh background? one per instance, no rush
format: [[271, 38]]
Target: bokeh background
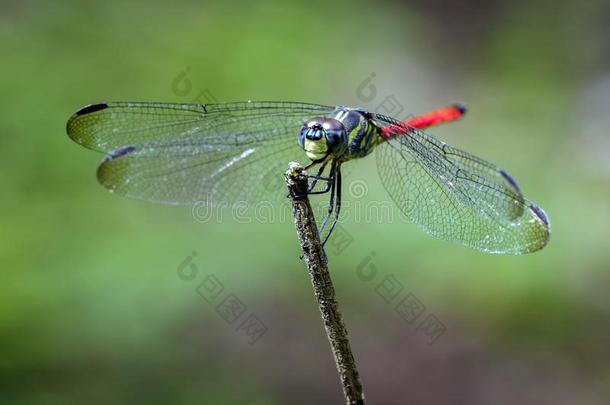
[[94, 307]]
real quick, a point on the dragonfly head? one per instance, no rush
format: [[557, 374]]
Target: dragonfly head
[[321, 137]]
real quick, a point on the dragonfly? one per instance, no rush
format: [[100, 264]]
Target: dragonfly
[[220, 153]]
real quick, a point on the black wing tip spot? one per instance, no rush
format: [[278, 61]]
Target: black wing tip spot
[[117, 153], [539, 212], [91, 108], [106, 173], [511, 180]]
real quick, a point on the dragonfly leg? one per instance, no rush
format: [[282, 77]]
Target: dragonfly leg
[[317, 177], [331, 203], [329, 180], [326, 189], [337, 204]]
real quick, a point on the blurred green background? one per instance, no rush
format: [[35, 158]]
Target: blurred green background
[[92, 308]]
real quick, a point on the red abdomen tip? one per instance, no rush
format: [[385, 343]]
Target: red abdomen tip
[[446, 114]]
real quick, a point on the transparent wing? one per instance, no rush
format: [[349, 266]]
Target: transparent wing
[[458, 197], [107, 126], [223, 153]]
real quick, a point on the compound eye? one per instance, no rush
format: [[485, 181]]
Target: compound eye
[[332, 125], [301, 138], [335, 138]]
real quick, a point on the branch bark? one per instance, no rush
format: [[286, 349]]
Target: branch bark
[[317, 265]]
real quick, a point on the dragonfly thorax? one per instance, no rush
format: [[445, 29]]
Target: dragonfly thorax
[[323, 137]]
